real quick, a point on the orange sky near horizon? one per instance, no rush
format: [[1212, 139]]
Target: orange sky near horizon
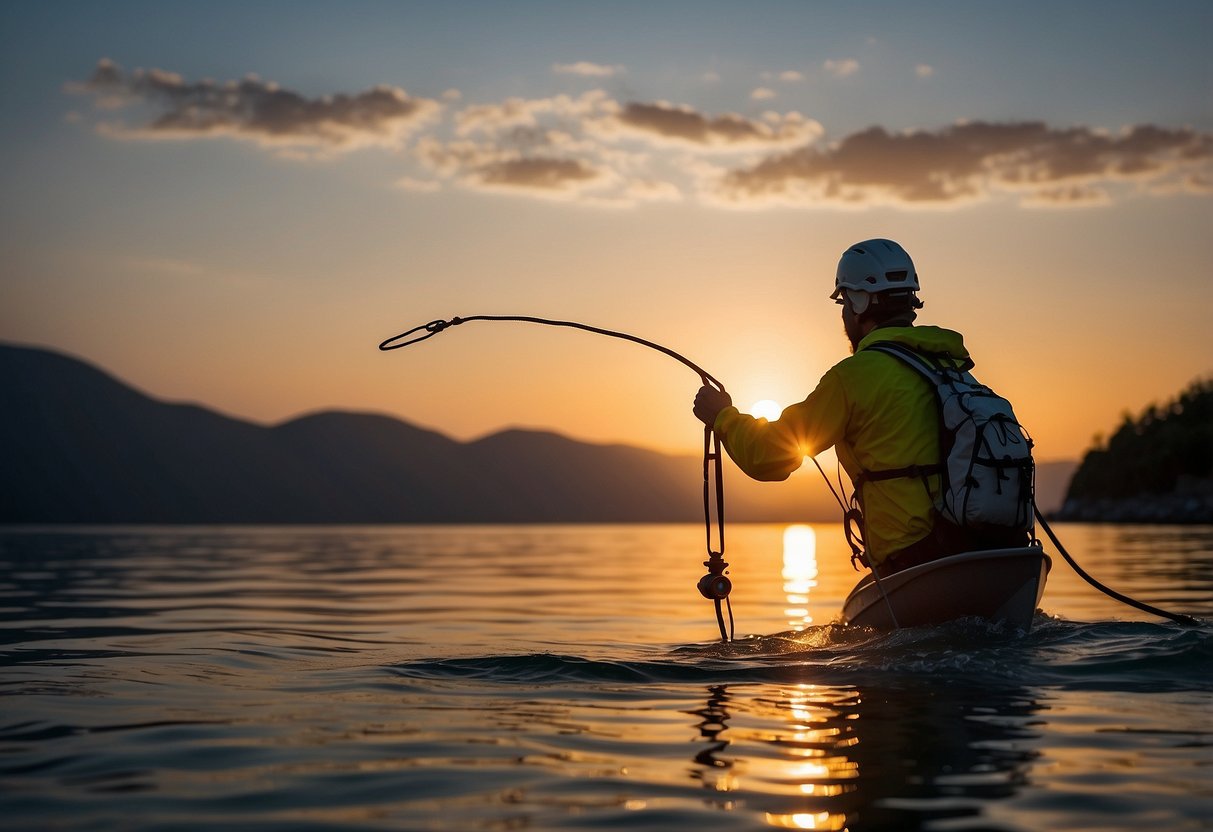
[[1071, 360], [687, 178]]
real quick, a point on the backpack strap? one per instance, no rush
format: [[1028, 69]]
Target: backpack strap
[[935, 370], [935, 366], [916, 471]]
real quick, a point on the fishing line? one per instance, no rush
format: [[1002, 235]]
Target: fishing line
[[1186, 620], [849, 514], [434, 327], [715, 586]]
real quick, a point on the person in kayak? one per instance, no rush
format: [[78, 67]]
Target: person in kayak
[[876, 411]]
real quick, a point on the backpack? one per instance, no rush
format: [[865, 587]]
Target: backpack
[[986, 472]]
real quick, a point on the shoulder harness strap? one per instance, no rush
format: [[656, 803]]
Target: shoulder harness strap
[[935, 368]]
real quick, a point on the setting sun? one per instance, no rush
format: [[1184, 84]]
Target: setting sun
[[766, 409]]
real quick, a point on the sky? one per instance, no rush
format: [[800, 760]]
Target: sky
[[235, 203]]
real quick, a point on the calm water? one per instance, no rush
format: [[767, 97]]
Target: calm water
[[568, 678]]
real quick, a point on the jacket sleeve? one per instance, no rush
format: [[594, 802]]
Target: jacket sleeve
[[771, 451]]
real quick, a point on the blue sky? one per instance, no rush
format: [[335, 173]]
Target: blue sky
[[685, 171]]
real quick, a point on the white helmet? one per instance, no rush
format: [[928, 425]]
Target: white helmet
[[874, 266]]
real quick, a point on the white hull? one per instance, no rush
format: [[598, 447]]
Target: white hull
[[998, 584]]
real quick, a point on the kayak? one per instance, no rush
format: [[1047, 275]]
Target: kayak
[[1003, 585]]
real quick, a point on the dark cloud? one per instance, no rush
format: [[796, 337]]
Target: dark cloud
[[543, 174], [684, 124], [257, 110], [969, 161], [538, 172]]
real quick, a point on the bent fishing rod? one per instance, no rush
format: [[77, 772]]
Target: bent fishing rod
[[715, 585]]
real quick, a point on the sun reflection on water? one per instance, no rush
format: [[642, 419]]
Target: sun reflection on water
[[799, 573], [807, 820], [816, 764]]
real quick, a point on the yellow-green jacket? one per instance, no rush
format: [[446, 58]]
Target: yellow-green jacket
[[879, 414]]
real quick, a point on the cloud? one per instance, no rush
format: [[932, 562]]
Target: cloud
[[513, 113], [973, 161], [539, 171], [667, 123], [762, 94], [924, 70], [587, 68], [255, 110], [600, 151], [585, 147], [841, 68]]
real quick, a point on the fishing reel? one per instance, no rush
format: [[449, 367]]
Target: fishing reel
[[715, 586]]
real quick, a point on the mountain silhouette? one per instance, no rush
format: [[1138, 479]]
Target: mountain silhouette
[[80, 446]]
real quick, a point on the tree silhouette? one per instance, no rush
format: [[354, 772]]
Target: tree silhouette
[[1151, 454]]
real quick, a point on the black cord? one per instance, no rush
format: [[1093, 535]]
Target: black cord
[[1186, 620]]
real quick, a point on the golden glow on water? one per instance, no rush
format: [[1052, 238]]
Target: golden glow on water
[[799, 573], [812, 765], [807, 820], [311, 653]]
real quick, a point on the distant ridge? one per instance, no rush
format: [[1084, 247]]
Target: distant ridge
[[80, 446]]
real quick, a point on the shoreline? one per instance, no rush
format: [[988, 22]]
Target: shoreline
[[1170, 509]]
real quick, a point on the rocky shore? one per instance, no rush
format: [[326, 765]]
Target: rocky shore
[[1190, 503]]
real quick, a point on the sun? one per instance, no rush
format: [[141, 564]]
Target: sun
[[766, 409]]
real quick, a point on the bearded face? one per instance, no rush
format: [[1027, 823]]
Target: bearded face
[[850, 325]]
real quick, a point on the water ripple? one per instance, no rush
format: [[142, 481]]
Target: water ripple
[[1065, 654]]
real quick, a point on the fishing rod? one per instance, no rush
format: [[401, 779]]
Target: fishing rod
[[715, 585]]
